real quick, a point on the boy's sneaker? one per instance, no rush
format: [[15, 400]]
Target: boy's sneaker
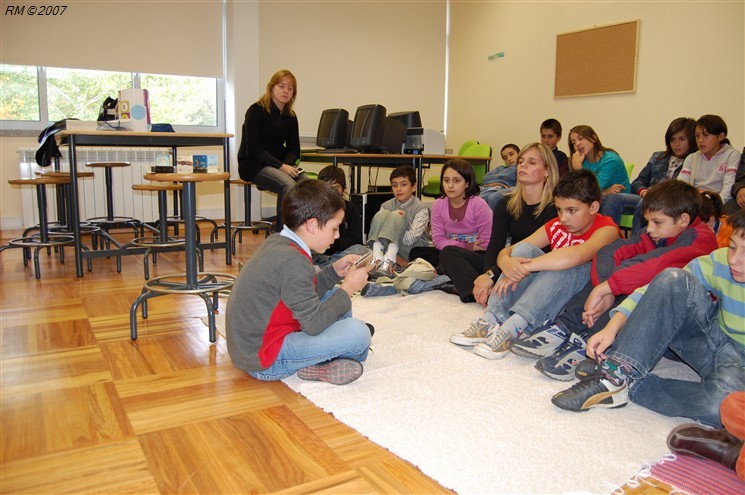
[[475, 334], [553, 359], [339, 371], [593, 392], [586, 369], [497, 345], [543, 342], [384, 268], [561, 364]]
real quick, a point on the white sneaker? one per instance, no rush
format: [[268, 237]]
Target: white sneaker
[[496, 345], [475, 334]]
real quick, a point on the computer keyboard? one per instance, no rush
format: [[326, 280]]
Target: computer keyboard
[[337, 151]]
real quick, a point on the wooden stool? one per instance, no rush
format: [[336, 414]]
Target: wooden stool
[[45, 238], [238, 227], [162, 239], [192, 282], [110, 220]]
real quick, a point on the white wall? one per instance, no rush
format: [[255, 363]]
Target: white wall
[[680, 72]]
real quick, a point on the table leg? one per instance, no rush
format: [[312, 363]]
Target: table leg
[[228, 237], [74, 207]]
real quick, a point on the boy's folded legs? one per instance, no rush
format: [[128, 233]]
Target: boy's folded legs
[[347, 338]]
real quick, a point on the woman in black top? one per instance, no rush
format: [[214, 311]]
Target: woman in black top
[[270, 141], [516, 216]]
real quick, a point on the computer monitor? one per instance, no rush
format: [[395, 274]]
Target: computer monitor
[[409, 119], [333, 129], [367, 131]]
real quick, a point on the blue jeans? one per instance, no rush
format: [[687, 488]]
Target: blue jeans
[[540, 296], [346, 338], [494, 195], [274, 180], [639, 222], [677, 313], [615, 205]]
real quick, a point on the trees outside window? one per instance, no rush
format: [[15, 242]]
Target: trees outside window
[[35, 96]]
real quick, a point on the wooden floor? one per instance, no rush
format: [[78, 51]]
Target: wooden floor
[[86, 410]]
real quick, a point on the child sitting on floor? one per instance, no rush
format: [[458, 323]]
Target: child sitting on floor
[[459, 217], [535, 286], [400, 224], [499, 182], [698, 313], [675, 235], [282, 317]]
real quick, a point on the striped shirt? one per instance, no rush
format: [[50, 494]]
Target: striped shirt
[[713, 272]]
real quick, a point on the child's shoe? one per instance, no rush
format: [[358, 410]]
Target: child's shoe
[[589, 368], [497, 345], [541, 343], [561, 364], [594, 392], [474, 334], [339, 371]]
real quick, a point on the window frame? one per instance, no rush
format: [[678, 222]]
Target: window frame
[[43, 122]]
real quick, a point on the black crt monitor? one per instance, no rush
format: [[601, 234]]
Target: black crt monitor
[[409, 119], [368, 128], [333, 129]]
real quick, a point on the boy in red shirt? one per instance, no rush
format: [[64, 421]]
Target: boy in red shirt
[[535, 286]]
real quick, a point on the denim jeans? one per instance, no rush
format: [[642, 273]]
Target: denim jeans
[[540, 296], [615, 205], [273, 179], [677, 313], [390, 225], [570, 317], [348, 338], [494, 195], [639, 222]]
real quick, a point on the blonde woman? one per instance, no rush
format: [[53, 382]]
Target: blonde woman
[[270, 140], [515, 217]]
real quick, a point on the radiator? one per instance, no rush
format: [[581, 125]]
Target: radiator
[[92, 192]]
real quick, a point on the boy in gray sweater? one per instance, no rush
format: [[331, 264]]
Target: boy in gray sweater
[[283, 317]]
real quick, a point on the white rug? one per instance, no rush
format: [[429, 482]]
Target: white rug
[[474, 425]]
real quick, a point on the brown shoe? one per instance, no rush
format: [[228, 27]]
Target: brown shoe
[[339, 371], [717, 445]]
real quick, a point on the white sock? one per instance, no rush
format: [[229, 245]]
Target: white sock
[[392, 251], [378, 250]]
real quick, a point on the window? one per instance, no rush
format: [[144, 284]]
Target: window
[[78, 94], [181, 100], [19, 97], [31, 97]]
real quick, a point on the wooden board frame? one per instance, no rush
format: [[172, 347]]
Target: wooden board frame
[[597, 61]]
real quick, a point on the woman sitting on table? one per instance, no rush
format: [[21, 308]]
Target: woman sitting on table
[[270, 142]]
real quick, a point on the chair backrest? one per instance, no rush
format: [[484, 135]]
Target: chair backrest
[[466, 145], [629, 169], [480, 150]]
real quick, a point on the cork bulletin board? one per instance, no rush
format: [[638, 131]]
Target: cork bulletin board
[[597, 61]]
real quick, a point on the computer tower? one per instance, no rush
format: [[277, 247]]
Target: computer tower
[[369, 204]]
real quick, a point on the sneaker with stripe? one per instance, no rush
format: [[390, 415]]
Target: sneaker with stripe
[[593, 392], [474, 334], [561, 364], [541, 343], [496, 346], [339, 371]]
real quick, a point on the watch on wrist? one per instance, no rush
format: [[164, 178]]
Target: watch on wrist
[[491, 275]]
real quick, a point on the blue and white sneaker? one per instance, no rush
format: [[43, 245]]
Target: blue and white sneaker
[[541, 343], [561, 364]]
